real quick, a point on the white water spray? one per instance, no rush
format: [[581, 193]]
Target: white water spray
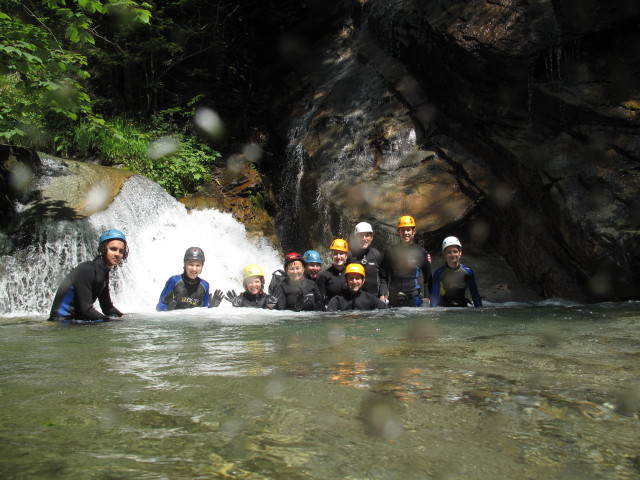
[[159, 230]]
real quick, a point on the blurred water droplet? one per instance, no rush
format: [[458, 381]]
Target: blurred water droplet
[[479, 231], [336, 336], [96, 198], [502, 195], [235, 163], [163, 147], [209, 121], [20, 177], [274, 388], [232, 427], [600, 284], [252, 152]]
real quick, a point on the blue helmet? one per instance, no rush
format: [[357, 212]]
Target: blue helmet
[[311, 256], [112, 234]]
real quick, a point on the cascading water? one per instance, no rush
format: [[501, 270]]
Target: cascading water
[[158, 228]]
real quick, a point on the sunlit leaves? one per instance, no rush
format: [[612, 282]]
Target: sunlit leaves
[[43, 62]]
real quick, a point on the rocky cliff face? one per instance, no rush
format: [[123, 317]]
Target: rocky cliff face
[[513, 124]]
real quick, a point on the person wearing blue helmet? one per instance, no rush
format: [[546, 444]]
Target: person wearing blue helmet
[[188, 290], [314, 264], [89, 281]]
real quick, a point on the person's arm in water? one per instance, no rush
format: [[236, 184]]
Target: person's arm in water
[[83, 278], [473, 288], [167, 301]]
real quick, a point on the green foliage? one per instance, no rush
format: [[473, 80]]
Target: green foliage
[[180, 168], [43, 66]]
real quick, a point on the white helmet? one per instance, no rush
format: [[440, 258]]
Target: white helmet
[[450, 241], [363, 227]]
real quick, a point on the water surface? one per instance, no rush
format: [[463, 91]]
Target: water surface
[[523, 391]]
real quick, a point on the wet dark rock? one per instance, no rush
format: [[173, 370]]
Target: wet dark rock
[[509, 123]]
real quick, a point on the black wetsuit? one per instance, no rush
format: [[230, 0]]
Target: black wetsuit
[[248, 299], [181, 292], [370, 258], [360, 301], [80, 289], [305, 296], [331, 282], [405, 274]]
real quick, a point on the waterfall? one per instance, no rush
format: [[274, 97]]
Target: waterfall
[[159, 230]]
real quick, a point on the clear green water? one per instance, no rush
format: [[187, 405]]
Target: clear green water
[[522, 392]]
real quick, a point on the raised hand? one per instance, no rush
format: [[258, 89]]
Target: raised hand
[[215, 298]]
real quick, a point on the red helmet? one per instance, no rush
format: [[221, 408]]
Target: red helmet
[[293, 257]]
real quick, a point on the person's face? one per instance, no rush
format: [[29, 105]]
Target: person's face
[[253, 285], [339, 258], [364, 239], [193, 268], [313, 269], [406, 234], [452, 255], [295, 271], [355, 282], [114, 252]]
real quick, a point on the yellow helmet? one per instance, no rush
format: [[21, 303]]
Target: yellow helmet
[[340, 245], [406, 221], [252, 271], [354, 268]]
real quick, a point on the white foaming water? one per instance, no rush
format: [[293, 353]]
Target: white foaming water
[[159, 230]]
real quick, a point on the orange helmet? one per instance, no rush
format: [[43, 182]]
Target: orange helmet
[[354, 268], [340, 245], [406, 221]]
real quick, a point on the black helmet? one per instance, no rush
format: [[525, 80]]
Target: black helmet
[[194, 253]]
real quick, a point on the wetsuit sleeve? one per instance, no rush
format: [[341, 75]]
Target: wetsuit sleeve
[[426, 275], [319, 299], [383, 273], [205, 298], [473, 289], [321, 282], [83, 278], [434, 301], [281, 302], [107, 305], [165, 302], [379, 304], [333, 305]]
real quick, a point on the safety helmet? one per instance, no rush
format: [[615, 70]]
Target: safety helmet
[[112, 234], [252, 271], [354, 268], [447, 242], [293, 257], [194, 253], [311, 256], [340, 245], [406, 221], [363, 227]]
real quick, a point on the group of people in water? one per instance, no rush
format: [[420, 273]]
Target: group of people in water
[[360, 277]]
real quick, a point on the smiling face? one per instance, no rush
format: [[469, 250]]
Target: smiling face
[[339, 258], [295, 271], [114, 253], [254, 285], [313, 270], [193, 268], [364, 239], [355, 282], [452, 256], [406, 234]]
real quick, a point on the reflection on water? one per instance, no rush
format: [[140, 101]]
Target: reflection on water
[[513, 392]]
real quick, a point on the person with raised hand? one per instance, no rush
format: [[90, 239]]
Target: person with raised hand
[[253, 295], [188, 290]]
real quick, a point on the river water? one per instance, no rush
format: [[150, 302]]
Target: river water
[[543, 391]]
